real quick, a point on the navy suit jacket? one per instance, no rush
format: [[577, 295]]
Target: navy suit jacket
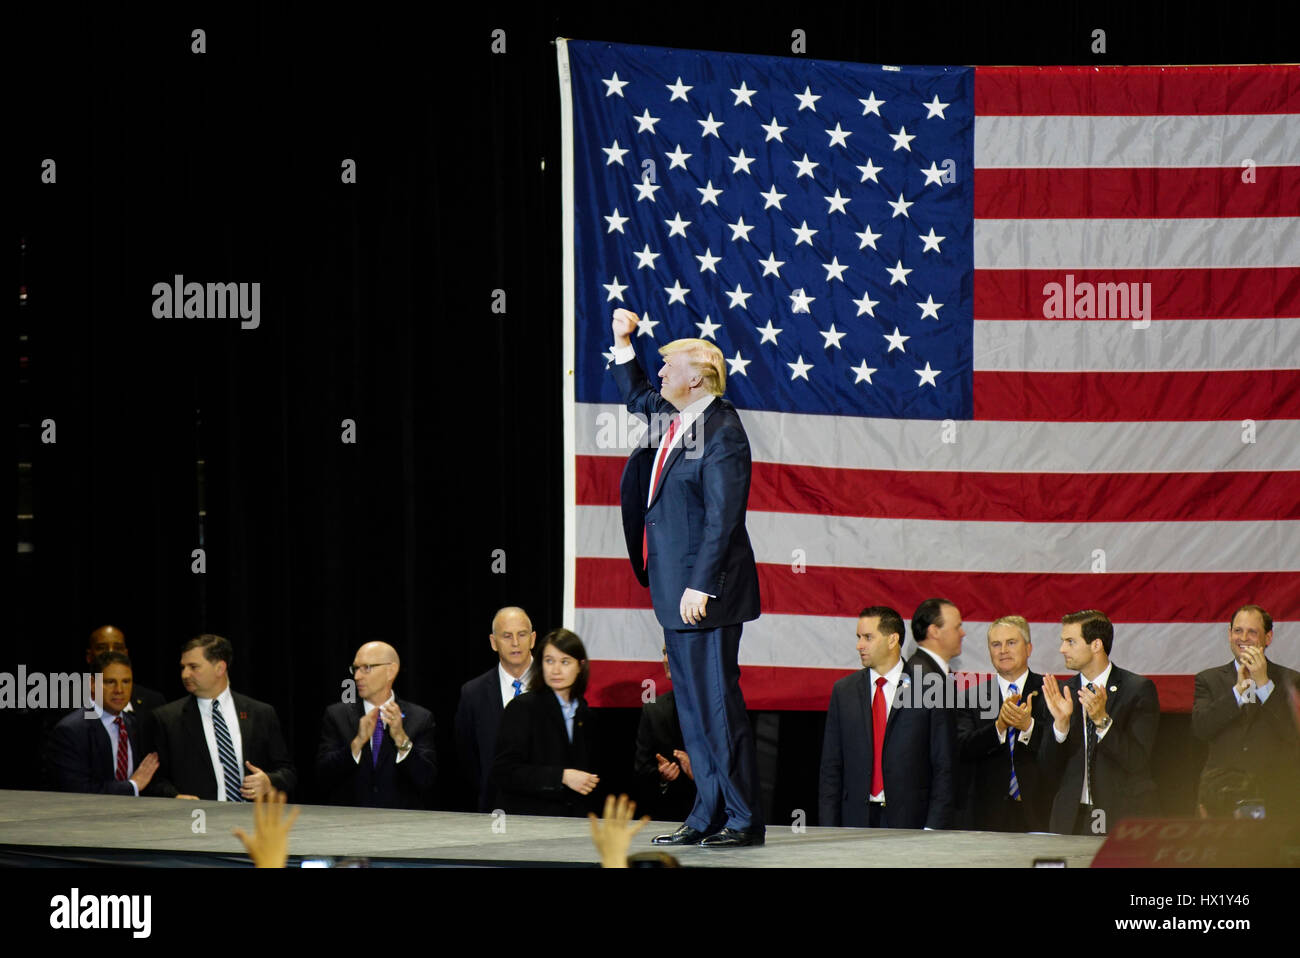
[[918, 759], [389, 783], [1259, 738], [184, 763], [1123, 784], [695, 527], [82, 759], [478, 717], [988, 761]]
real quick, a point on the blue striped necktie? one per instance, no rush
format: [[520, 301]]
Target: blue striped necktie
[[519, 687], [1014, 790], [226, 752]]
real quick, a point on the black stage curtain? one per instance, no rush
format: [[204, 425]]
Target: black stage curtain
[[376, 307]]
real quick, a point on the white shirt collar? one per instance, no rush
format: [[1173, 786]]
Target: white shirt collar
[[1018, 682], [1101, 679], [942, 662], [891, 677], [225, 698], [370, 708]]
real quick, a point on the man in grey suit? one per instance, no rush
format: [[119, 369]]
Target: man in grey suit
[[1242, 710]]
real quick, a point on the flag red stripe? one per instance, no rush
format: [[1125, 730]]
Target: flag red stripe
[[1123, 397], [1251, 293], [1192, 597], [1101, 193], [617, 684], [1133, 91], [993, 496]]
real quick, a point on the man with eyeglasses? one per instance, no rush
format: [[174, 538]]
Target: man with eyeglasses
[[376, 750]]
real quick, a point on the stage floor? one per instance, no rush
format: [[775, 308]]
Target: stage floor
[[54, 825]]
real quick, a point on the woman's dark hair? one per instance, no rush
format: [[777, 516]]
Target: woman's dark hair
[[568, 643]]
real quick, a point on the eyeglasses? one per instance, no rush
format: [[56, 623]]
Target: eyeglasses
[[366, 669]]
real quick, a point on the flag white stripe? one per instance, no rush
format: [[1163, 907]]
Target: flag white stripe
[[1116, 346], [971, 546], [849, 442], [1076, 244], [1136, 141], [808, 641]]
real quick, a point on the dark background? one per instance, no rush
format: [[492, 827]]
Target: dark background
[[175, 434]]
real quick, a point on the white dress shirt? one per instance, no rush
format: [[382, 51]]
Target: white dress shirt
[[1019, 683], [939, 659], [1085, 796], [226, 702], [368, 708]]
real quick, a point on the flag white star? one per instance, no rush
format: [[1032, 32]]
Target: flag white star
[[868, 238], [708, 194], [614, 85], [645, 121], [900, 206], [927, 376], [614, 153], [647, 326], [677, 292], [897, 274], [807, 99], [739, 231], [679, 90], [799, 301], [803, 233], [743, 93], [933, 175], [615, 290], [707, 328], [769, 333], [645, 190], [710, 127], [931, 241], [832, 337], [896, 341], [772, 198], [740, 162], [738, 364], [806, 166], [869, 171], [902, 139], [615, 221], [707, 261], [863, 372], [645, 258], [837, 202], [839, 136], [834, 270], [929, 307], [774, 131], [677, 158], [871, 104], [866, 304], [799, 369], [935, 108], [677, 226], [609, 357], [772, 265], [738, 297]]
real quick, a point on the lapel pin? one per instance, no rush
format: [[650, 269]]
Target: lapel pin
[[244, 716], [1113, 689]]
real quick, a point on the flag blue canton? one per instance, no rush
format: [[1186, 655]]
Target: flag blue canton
[[813, 218]]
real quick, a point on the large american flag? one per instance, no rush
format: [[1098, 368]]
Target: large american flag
[[1024, 338]]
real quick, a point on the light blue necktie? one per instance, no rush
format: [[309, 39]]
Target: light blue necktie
[[519, 687], [1014, 790]]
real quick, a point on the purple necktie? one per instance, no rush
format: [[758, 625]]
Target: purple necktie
[[375, 740]]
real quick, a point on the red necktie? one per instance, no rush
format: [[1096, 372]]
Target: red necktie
[[121, 749], [654, 479], [879, 715]]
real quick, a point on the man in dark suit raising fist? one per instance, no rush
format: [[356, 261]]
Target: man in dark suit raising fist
[[684, 502], [1103, 732], [1242, 710], [377, 751]]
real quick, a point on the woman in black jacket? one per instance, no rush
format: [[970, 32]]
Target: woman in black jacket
[[544, 746]]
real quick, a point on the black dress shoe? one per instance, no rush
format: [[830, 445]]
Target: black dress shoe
[[735, 838], [683, 836]]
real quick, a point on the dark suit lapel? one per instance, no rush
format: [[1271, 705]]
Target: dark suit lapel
[[100, 755], [192, 731], [864, 703], [694, 436]]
